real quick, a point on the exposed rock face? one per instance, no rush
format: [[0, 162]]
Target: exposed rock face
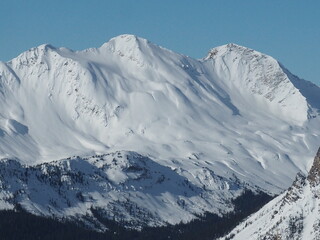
[[314, 173]]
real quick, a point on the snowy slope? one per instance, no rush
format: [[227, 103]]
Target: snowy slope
[[246, 69], [295, 214], [123, 186], [236, 115]]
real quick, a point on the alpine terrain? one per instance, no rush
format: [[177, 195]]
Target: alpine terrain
[[292, 215], [144, 136]]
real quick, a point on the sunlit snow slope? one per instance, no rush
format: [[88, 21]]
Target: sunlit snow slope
[[237, 112]]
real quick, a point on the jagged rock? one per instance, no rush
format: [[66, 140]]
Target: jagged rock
[[314, 173]]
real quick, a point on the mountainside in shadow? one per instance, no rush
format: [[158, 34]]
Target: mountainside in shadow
[[18, 224]]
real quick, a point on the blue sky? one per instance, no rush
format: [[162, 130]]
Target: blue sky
[[288, 30]]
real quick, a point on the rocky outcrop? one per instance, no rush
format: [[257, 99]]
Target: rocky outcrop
[[314, 173]]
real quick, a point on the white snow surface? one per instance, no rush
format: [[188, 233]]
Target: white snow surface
[[293, 215], [122, 186], [237, 113], [282, 219]]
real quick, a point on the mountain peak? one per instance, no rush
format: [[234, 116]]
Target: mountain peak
[[46, 47], [125, 42], [230, 47], [249, 70], [234, 47], [128, 38], [131, 87], [30, 56], [236, 115], [43, 48], [135, 49]]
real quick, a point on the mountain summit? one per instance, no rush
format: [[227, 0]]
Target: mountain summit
[[234, 120], [247, 69]]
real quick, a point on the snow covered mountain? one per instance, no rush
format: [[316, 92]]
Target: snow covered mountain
[[292, 215], [235, 120], [122, 186]]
